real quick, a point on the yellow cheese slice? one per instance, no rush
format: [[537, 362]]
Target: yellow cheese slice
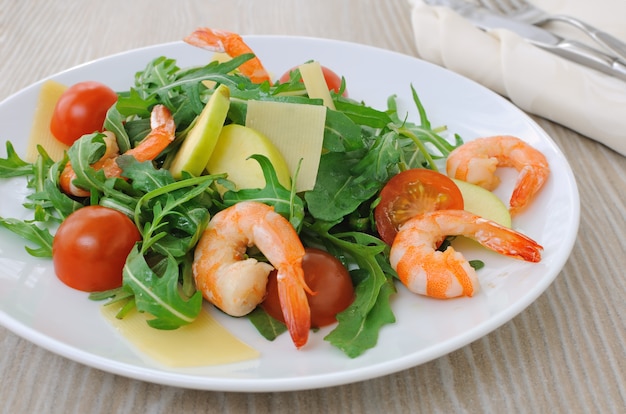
[[315, 83], [297, 130], [201, 343], [40, 133]]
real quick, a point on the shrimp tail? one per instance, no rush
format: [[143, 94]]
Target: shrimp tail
[[509, 242], [231, 44], [294, 304], [527, 185], [209, 39], [490, 234]]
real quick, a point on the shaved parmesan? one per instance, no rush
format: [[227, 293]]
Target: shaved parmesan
[[203, 342], [40, 133], [315, 83], [297, 130]]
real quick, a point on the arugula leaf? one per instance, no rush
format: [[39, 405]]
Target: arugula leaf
[[338, 192], [429, 143], [156, 227], [82, 154], [357, 331], [267, 326], [134, 102], [57, 205], [273, 194], [13, 165], [341, 134], [114, 122], [362, 114], [157, 73], [159, 295], [379, 162], [48, 201], [144, 176], [33, 233], [168, 206]]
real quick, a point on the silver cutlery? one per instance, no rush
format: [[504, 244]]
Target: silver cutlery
[[570, 49], [523, 11]]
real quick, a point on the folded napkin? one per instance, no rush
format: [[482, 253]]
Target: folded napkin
[[537, 81]]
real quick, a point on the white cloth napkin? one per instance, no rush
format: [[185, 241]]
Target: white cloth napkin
[[539, 82]]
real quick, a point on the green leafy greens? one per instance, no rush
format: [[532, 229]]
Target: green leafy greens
[[363, 148]]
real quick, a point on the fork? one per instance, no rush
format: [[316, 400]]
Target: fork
[[523, 11]]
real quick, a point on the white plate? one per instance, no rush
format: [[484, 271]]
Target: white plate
[[36, 306]]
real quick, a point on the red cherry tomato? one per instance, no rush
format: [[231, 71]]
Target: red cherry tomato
[[333, 81], [326, 276], [90, 248], [81, 110], [413, 192]]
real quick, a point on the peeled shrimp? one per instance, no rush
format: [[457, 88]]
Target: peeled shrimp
[[237, 284], [162, 133], [447, 274], [476, 162], [233, 45]]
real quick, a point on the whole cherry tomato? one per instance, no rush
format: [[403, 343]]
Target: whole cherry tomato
[[410, 193], [326, 276], [90, 247], [81, 110]]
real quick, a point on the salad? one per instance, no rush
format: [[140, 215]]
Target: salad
[[363, 149]]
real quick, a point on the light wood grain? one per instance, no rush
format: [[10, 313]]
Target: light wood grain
[[565, 353]]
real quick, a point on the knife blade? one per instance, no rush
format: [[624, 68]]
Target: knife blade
[[542, 38]]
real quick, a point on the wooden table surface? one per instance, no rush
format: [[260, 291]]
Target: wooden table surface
[[565, 353]]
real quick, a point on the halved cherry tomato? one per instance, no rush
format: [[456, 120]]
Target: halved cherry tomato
[[81, 110], [333, 81], [326, 276], [413, 192], [90, 248]]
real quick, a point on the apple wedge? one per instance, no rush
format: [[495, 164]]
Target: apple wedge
[[232, 153], [196, 149], [484, 203]]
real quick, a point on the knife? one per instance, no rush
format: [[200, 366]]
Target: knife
[[569, 49]]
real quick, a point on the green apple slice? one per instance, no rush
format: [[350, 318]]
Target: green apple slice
[[484, 203], [198, 146], [232, 153]]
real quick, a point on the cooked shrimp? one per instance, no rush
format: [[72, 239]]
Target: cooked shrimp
[[476, 162], [447, 274], [162, 133], [233, 45], [236, 284]]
